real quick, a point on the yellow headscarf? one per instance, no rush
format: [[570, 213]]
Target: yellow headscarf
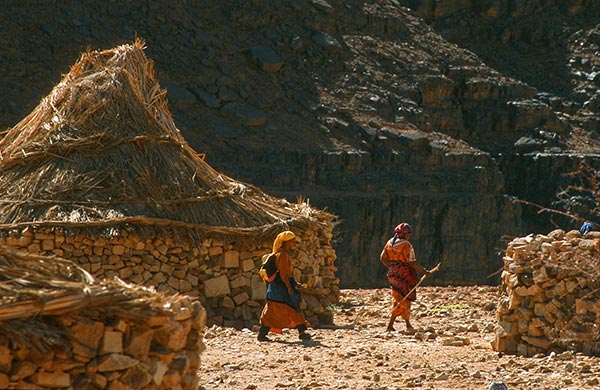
[[281, 237]]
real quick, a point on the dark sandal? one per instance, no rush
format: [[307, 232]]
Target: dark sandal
[[304, 336]]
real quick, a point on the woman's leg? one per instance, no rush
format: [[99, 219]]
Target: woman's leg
[[302, 332], [390, 327], [263, 332], [400, 308]]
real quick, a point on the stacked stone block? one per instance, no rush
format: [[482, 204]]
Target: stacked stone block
[[551, 294], [105, 348], [223, 276]]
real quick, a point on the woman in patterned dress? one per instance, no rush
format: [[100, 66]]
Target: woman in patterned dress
[[398, 256]]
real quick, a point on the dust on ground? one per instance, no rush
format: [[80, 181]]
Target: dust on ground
[[451, 350]]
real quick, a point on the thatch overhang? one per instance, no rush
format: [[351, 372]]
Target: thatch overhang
[[102, 151], [34, 285]]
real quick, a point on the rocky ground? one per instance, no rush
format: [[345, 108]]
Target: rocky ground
[[450, 350]]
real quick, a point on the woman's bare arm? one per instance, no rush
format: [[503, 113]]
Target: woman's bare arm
[[418, 267]]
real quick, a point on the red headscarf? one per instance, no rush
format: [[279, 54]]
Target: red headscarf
[[403, 228], [401, 231]]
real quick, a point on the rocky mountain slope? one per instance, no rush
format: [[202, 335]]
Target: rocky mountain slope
[[380, 111]]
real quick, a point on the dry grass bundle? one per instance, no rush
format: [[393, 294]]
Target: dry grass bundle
[[33, 285], [102, 149]]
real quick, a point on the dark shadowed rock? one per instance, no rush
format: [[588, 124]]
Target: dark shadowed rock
[[297, 43], [206, 98], [266, 59], [225, 94], [499, 385], [245, 114], [175, 93], [327, 42], [527, 144], [322, 5], [414, 140]]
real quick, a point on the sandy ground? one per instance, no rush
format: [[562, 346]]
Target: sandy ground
[[450, 350]]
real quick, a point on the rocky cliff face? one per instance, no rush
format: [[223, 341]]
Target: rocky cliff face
[[362, 107], [457, 197], [550, 47]]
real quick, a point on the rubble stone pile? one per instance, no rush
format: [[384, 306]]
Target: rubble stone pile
[[551, 295]]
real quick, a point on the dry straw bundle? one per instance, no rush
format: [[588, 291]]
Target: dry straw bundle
[[102, 150], [33, 285]]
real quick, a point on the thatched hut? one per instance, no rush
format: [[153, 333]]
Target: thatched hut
[[98, 173], [61, 328]]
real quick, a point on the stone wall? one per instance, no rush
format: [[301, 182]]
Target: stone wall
[[551, 295], [223, 276], [105, 348]]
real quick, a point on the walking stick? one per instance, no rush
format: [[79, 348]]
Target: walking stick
[[431, 271]]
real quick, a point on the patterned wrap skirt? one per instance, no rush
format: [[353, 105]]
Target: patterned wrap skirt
[[403, 278]]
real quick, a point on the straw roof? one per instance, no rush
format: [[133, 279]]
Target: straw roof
[[102, 150]]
